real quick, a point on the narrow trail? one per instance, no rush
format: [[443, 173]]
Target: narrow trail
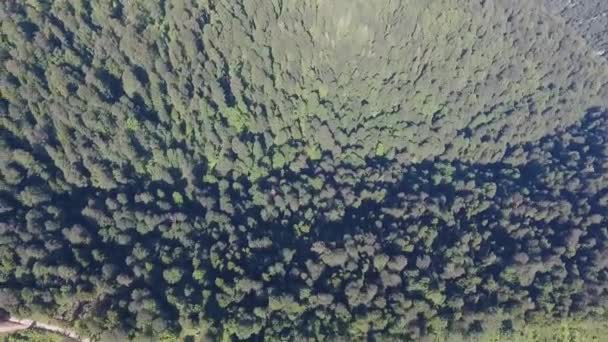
[[14, 324]]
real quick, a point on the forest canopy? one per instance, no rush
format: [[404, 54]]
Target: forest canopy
[[300, 170]]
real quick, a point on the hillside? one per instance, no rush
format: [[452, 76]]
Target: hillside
[[289, 170], [588, 17]]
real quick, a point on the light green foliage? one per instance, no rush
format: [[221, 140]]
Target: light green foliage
[[380, 149], [178, 198], [278, 160], [130, 82], [565, 330], [236, 118], [131, 124], [380, 261], [173, 275], [313, 153], [285, 304]]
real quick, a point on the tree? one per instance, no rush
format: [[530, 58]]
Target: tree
[[173, 275]]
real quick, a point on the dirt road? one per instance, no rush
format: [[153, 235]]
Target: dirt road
[[14, 324]]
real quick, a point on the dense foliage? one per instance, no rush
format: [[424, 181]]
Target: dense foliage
[[32, 335], [300, 169], [588, 17]]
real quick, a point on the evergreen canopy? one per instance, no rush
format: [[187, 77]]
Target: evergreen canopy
[[300, 169]]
